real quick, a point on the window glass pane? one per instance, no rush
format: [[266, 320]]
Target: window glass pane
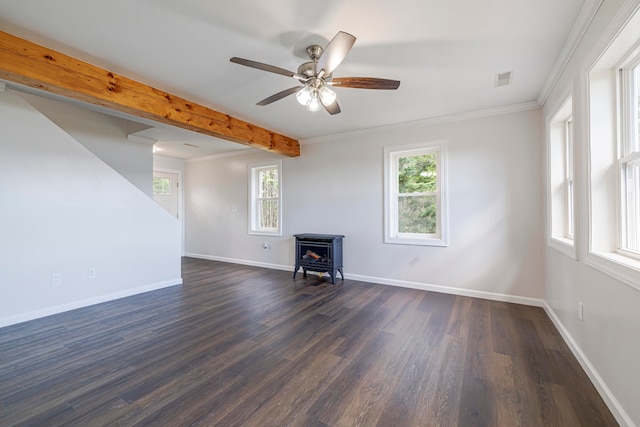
[[162, 186], [268, 184], [417, 214], [417, 174], [267, 214]]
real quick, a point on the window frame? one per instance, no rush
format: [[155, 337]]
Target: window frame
[[253, 215], [391, 224]]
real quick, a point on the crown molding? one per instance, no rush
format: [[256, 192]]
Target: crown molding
[[586, 15], [479, 114]]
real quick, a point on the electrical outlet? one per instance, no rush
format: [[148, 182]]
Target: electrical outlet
[[91, 273], [581, 311], [234, 209], [56, 279]]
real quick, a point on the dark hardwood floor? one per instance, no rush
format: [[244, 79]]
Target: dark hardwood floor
[[244, 346]]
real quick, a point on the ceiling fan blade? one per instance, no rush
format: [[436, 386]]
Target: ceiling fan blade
[[264, 67], [279, 95], [332, 108], [335, 52], [365, 83]]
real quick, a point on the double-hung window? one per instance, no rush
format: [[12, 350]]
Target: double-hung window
[[613, 84], [265, 196], [415, 194], [561, 182], [629, 158]]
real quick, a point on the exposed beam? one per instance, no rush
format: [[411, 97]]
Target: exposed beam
[[30, 64]]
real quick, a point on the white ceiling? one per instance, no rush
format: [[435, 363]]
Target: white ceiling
[[445, 53]]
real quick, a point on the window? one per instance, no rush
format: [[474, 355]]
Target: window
[[560, 180], [629, 158], [612, 85], [161, 186], [415, 194], [265, 193]]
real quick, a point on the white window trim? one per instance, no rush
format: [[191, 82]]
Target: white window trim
[[252, 169], [390, 221], [560, 242]]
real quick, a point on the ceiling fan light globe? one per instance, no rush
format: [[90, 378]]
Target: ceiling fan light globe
[[314, 104], [304, 96], [327, 96]]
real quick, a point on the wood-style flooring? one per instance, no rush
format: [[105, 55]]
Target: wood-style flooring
[[244, 346]]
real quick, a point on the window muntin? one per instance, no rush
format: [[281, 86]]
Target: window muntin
[[265, 199], [415, 203]]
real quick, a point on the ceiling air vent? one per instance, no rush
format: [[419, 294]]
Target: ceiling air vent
[[503, 79]]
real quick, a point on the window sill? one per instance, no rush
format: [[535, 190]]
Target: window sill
[[563, 245], [416, 242], [265, 233], [624, 269]]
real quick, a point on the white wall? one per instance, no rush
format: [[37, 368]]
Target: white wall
[[64, 211], [607, 341], [336, 187], [104, 135], [161, 162]]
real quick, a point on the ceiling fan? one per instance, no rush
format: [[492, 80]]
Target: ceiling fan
[[316, 76]]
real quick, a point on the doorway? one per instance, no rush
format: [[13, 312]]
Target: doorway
[[167, 192]]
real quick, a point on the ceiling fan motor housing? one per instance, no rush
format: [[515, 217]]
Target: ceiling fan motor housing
[[308, 69]]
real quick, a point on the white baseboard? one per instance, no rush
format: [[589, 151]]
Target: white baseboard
[[12, 320], [494, 296], [242, 261], [607, 395], [392, 282]]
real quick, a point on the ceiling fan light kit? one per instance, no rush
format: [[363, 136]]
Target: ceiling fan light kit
[[316, 75], [312, 95]]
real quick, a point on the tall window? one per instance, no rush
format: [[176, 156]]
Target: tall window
[[415, 197], [561, 184], [629, 157], [613, 84], [265, 194]]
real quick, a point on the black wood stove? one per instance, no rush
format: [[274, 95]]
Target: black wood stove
[[321, 253]]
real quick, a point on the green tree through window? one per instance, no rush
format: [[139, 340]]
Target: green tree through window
[[417, 199], [268, 199]]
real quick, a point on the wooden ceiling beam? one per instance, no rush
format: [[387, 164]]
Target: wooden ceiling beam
[[30, 64]]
